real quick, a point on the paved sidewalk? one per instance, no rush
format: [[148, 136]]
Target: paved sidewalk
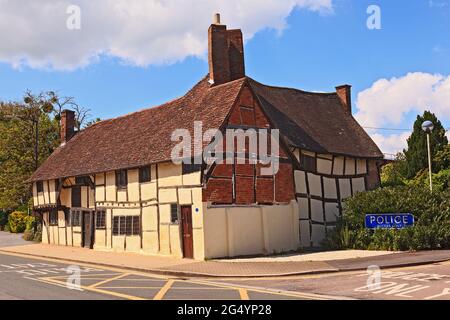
[[8, 239], [218, 268]]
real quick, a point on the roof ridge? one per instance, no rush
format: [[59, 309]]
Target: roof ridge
[[293, 89]]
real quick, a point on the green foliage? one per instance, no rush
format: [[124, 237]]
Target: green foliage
[[392, 174], [33, 230], [17, 221], [417, 154], [431, 211], [442, 159], [30, 223], [17, 156], [3, 218], [441, 180]]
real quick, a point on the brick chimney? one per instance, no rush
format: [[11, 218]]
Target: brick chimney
[[226, 53], [344, 92], [67, 125]]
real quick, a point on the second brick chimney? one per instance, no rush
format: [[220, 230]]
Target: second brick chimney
[[226, 53], [67, 125], [344, 92]]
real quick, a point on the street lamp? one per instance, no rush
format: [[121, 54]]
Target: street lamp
[[428, 127]]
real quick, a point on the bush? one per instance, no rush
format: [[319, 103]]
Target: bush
[[431, 212], [17, 221], [3, 219], [28, 235], [33, 230]]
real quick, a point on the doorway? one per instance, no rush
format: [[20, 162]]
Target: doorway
[[186, 231], [88, 229]]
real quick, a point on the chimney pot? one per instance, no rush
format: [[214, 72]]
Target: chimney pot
[[216, 18], [67, 125], [344, 93]]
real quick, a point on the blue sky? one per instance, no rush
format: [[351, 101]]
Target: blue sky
[[396, 72]]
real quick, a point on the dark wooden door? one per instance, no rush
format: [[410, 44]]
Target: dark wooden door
[[186, 226], [88, 231]]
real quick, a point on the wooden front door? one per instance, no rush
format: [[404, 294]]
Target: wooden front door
[[88, 229], [186, 230]]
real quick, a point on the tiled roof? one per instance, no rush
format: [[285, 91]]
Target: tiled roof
[[316, 122], [140, 138]]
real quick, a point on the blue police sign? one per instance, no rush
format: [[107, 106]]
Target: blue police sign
[[389, 220]]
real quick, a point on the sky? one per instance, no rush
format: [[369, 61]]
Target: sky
[[119, 56]]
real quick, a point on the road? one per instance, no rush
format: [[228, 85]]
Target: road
[[427, 282], [23, 277]]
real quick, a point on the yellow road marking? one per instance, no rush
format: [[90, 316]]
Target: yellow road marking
[[244, 294], [161, 277], [108, 280], [93, 289], [164, 290]]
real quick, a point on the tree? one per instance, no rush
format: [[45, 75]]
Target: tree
[[417, 154], [82, 115], [21, 152]]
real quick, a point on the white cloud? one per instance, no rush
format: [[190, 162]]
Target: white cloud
[[139, 32], [391, 144], [388, 102]]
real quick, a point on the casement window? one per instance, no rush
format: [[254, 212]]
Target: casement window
[[191, 168], [56, 185], [40, 186], [53, 218], [75, 216], [67, 218], [126, 225], [144, 174], [76, 197], [308, 163], [121, 179], [100, 219], [82, 181], [174, 213]]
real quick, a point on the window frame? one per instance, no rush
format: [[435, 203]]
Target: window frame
[[142, 177], [188, 168], [100, 219], [126, 225], [308, 163], [53, 218], [75, 218], [121, 175], [172, 213], [40, 186]]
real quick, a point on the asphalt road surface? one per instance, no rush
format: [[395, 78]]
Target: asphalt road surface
[[428, 282], [23, 277]]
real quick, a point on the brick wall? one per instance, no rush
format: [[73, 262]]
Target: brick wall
[[242, 182]]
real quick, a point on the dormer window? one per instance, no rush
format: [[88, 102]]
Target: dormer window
[[121, 179]]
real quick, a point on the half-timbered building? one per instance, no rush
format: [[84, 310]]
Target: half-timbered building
[[114, 186]]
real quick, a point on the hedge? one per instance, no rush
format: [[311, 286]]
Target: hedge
[[431, 212]]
